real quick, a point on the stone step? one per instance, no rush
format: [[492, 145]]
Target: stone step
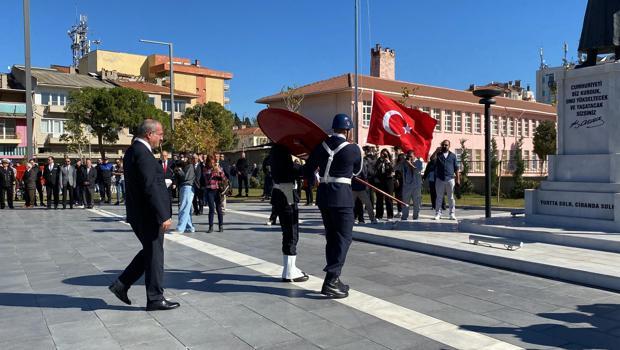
[[584, 266], [517, 228], [599, 187]]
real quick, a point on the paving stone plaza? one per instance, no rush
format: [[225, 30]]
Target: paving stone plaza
[[57, 264]]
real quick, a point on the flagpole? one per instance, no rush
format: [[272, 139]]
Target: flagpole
[[356, 107]]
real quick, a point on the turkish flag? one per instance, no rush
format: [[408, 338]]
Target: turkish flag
[[396, 125]]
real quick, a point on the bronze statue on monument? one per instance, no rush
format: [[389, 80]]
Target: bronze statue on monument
[[601, 30]]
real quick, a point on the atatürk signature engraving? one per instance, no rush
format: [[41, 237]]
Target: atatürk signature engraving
[[588, 123]]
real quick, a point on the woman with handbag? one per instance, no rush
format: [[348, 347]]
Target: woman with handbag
[[216, 182]]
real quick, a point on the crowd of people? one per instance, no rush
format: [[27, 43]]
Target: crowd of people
[[398, 174], [199, 180], [70, 183]]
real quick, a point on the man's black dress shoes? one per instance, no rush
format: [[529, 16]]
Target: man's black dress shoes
[[120, 291], [334, 288], [161, 305]]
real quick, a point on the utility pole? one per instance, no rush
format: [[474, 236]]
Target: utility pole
[[29, 116]]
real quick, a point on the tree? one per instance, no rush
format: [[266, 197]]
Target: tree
[[76, 138], [108, 111], [544, 140], [221, 119], [247, 122], [517, 175], [466, 185], [292, 98], [494, 168], [237, 121], [406, 93], [195, 135]]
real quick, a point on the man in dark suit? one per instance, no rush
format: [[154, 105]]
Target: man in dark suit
[[167, 165], [337, 160], [87, 179], [149, 214], [51, 174], [30, 179], [198, 186], [38, 184], [7, 180], [242, 174]]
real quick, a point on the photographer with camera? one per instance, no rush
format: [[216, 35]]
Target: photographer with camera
[[411, 184], [384, 171]]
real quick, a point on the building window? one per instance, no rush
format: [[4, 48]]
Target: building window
[[477, 124], [447, 126], [7, 129], [152, 100], [504, 125], [468, 123], [479, 162], [534, 161], [526, 158], [437, 115], [179, 106], [526, 127], [366, 112], [458, 121], [494, 126], [56, 127], [519, 127], [511, 126]]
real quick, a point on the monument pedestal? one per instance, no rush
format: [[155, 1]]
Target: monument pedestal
[[583, 186]]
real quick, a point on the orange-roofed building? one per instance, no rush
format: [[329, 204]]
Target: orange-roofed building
[[249, 137], [208, 85], [458, 113]]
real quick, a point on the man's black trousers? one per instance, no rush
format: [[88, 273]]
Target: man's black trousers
[[149, 261], [289, 221], [338, 223], [52, 191], [8, 192], [243, 179]]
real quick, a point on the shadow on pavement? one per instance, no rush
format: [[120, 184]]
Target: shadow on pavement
[[58, 301], [204, 281], [591, 324]]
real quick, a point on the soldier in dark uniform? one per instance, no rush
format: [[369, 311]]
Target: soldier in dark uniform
[[284, 199], [337, 160]]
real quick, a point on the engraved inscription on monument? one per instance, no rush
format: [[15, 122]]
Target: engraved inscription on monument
[[586, 115]]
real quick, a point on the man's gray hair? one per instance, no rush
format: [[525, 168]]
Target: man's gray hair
[[147, 126]]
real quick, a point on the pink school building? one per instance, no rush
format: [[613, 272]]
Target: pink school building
[[458, 113]]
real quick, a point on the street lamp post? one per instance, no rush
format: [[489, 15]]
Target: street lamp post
[[486, 98], [171, 77]]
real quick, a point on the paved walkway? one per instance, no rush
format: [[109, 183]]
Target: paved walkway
[[57, 264]]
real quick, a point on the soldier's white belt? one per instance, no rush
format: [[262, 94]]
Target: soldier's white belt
[[339, 180], [287, 188]]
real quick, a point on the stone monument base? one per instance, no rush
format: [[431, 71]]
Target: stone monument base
[[560, 204], [582, 190]]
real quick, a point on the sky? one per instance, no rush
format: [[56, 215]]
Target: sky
[[269, 44]]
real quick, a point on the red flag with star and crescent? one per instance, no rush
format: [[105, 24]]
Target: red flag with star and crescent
[[393, 124]]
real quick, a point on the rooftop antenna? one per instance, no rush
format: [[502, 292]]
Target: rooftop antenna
[[80, 46], [97, 42], [542, 58]]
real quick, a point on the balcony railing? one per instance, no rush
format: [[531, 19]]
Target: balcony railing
[[507, 167], [13, 108]]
